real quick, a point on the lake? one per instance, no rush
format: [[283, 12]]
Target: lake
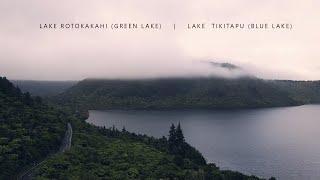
[[281, 142]]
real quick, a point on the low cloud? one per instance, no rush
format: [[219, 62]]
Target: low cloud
[[27, 52]]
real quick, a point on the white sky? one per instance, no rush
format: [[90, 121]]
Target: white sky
[[27, 52]]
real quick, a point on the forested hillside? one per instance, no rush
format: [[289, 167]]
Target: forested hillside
[[307, 92], [100, 153], [176, 93], [29, 129]]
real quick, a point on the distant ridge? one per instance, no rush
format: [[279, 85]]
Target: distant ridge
[[190, 93], [43, 88]]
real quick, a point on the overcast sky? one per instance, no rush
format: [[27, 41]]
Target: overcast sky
[[28, 52]]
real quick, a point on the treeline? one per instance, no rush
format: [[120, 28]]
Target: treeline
[[29, 129], [175, 144], [187, 93]]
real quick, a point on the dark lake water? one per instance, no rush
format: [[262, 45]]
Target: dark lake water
[[280, 142]]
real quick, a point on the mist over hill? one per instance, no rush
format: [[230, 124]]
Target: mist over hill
[[238, 89], [228, 66], [202, 69]]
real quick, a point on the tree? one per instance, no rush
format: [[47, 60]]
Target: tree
[[172, 139], [179, 135], [180, 141], [176, 140]]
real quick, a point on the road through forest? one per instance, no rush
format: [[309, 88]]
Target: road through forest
[[65, 146]]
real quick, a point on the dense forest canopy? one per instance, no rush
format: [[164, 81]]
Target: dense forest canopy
[[175, 93], [29, 129], [108, 153]]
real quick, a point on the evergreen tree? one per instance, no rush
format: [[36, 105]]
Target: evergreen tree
[[180, 141], [172, 139], [179, 135]]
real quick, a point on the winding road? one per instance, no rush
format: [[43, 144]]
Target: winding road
[[65, 146], [66, 142]]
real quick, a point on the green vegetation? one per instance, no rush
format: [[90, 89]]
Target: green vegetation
[[29, 129], [307, 92], [183, 93], [177, 146], [100, 153]]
